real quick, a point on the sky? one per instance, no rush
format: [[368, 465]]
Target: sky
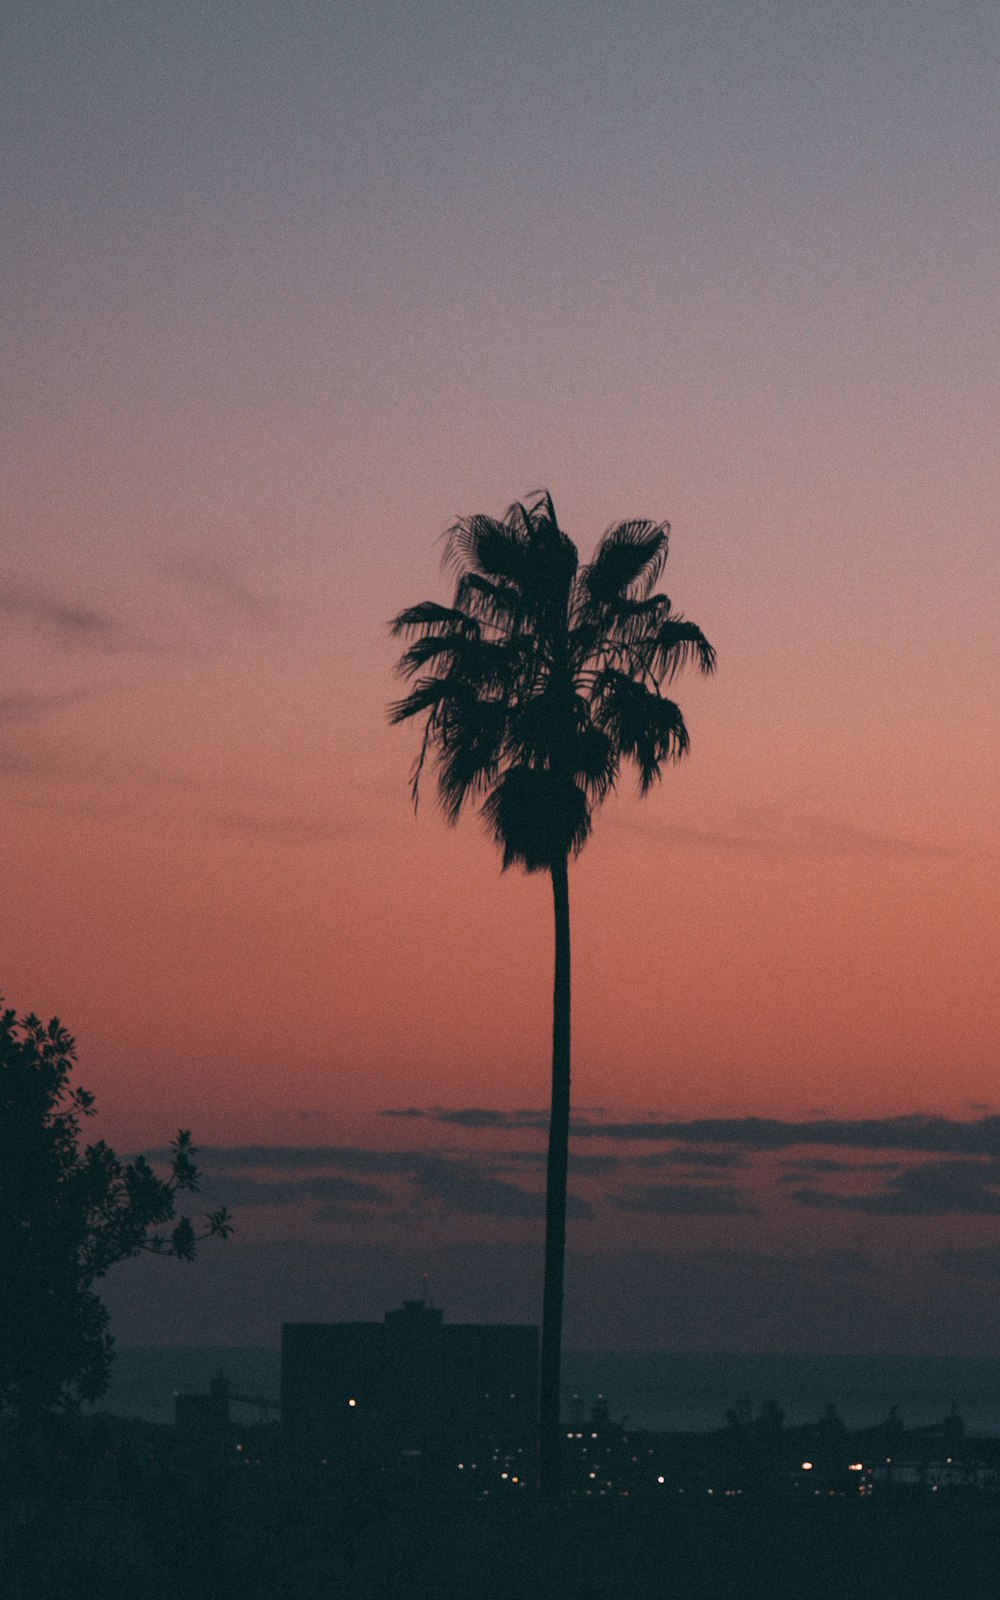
[[289, 288]]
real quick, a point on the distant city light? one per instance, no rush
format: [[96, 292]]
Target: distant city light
[[807, 1466], [661, 1479], [856, 1466], [352, 1402]]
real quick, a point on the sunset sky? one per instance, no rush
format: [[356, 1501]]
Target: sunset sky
[[287, 289]]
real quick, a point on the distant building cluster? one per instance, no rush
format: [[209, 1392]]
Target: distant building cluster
[[454, 1405], [759, 1457]]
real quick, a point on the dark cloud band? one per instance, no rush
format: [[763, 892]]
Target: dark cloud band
[[916, 1132]]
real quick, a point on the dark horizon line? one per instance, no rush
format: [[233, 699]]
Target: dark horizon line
[[730, 1354]]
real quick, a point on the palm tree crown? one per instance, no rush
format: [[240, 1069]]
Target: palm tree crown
[[544, 676]]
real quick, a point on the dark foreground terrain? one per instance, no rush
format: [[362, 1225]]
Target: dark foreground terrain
[[180, 1551], [91, 1510]]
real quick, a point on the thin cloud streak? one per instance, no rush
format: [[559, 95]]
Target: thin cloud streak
[[480, 1182], [584, 1165], [683, 1199], [217, 583], [462, 1183], [786, 833], [284, 1157], [932, 1189], [20, 708], [481, 1117], [72, 624], [802, 1171], [285, 830], [916, 1132], [461, 1187], [242, 1191], [713, 1159]]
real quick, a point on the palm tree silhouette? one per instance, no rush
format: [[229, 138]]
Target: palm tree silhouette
[[535, 685]]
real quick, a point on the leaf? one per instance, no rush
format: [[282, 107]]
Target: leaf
[[183, 1244], [431, 618], [630, 554], [646, 727], [677, 644]]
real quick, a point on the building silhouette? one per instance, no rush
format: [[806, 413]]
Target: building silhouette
[[409, 1387], [204, 1416], [209, 1415]]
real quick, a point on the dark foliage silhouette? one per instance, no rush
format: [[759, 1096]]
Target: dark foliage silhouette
[[67, 1215], [539, 681]]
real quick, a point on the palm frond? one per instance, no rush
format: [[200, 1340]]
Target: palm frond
[[631, 617], [534, 514], [520, 520], [496, 602], [463, 733], [678, 643], [549, 587], [488, 546], [427, 695], [593, 761], [527, 553], [630, 556], [465, 657], [417, 770], [469, 742], [634, 623], [441, 647], [646, 727], [432, 618]]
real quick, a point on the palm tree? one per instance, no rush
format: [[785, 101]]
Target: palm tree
[[534, 686]]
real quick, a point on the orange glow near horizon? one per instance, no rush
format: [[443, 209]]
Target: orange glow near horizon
[[774, 963]]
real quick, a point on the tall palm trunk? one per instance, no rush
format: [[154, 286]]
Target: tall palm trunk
[[550, 1435]]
